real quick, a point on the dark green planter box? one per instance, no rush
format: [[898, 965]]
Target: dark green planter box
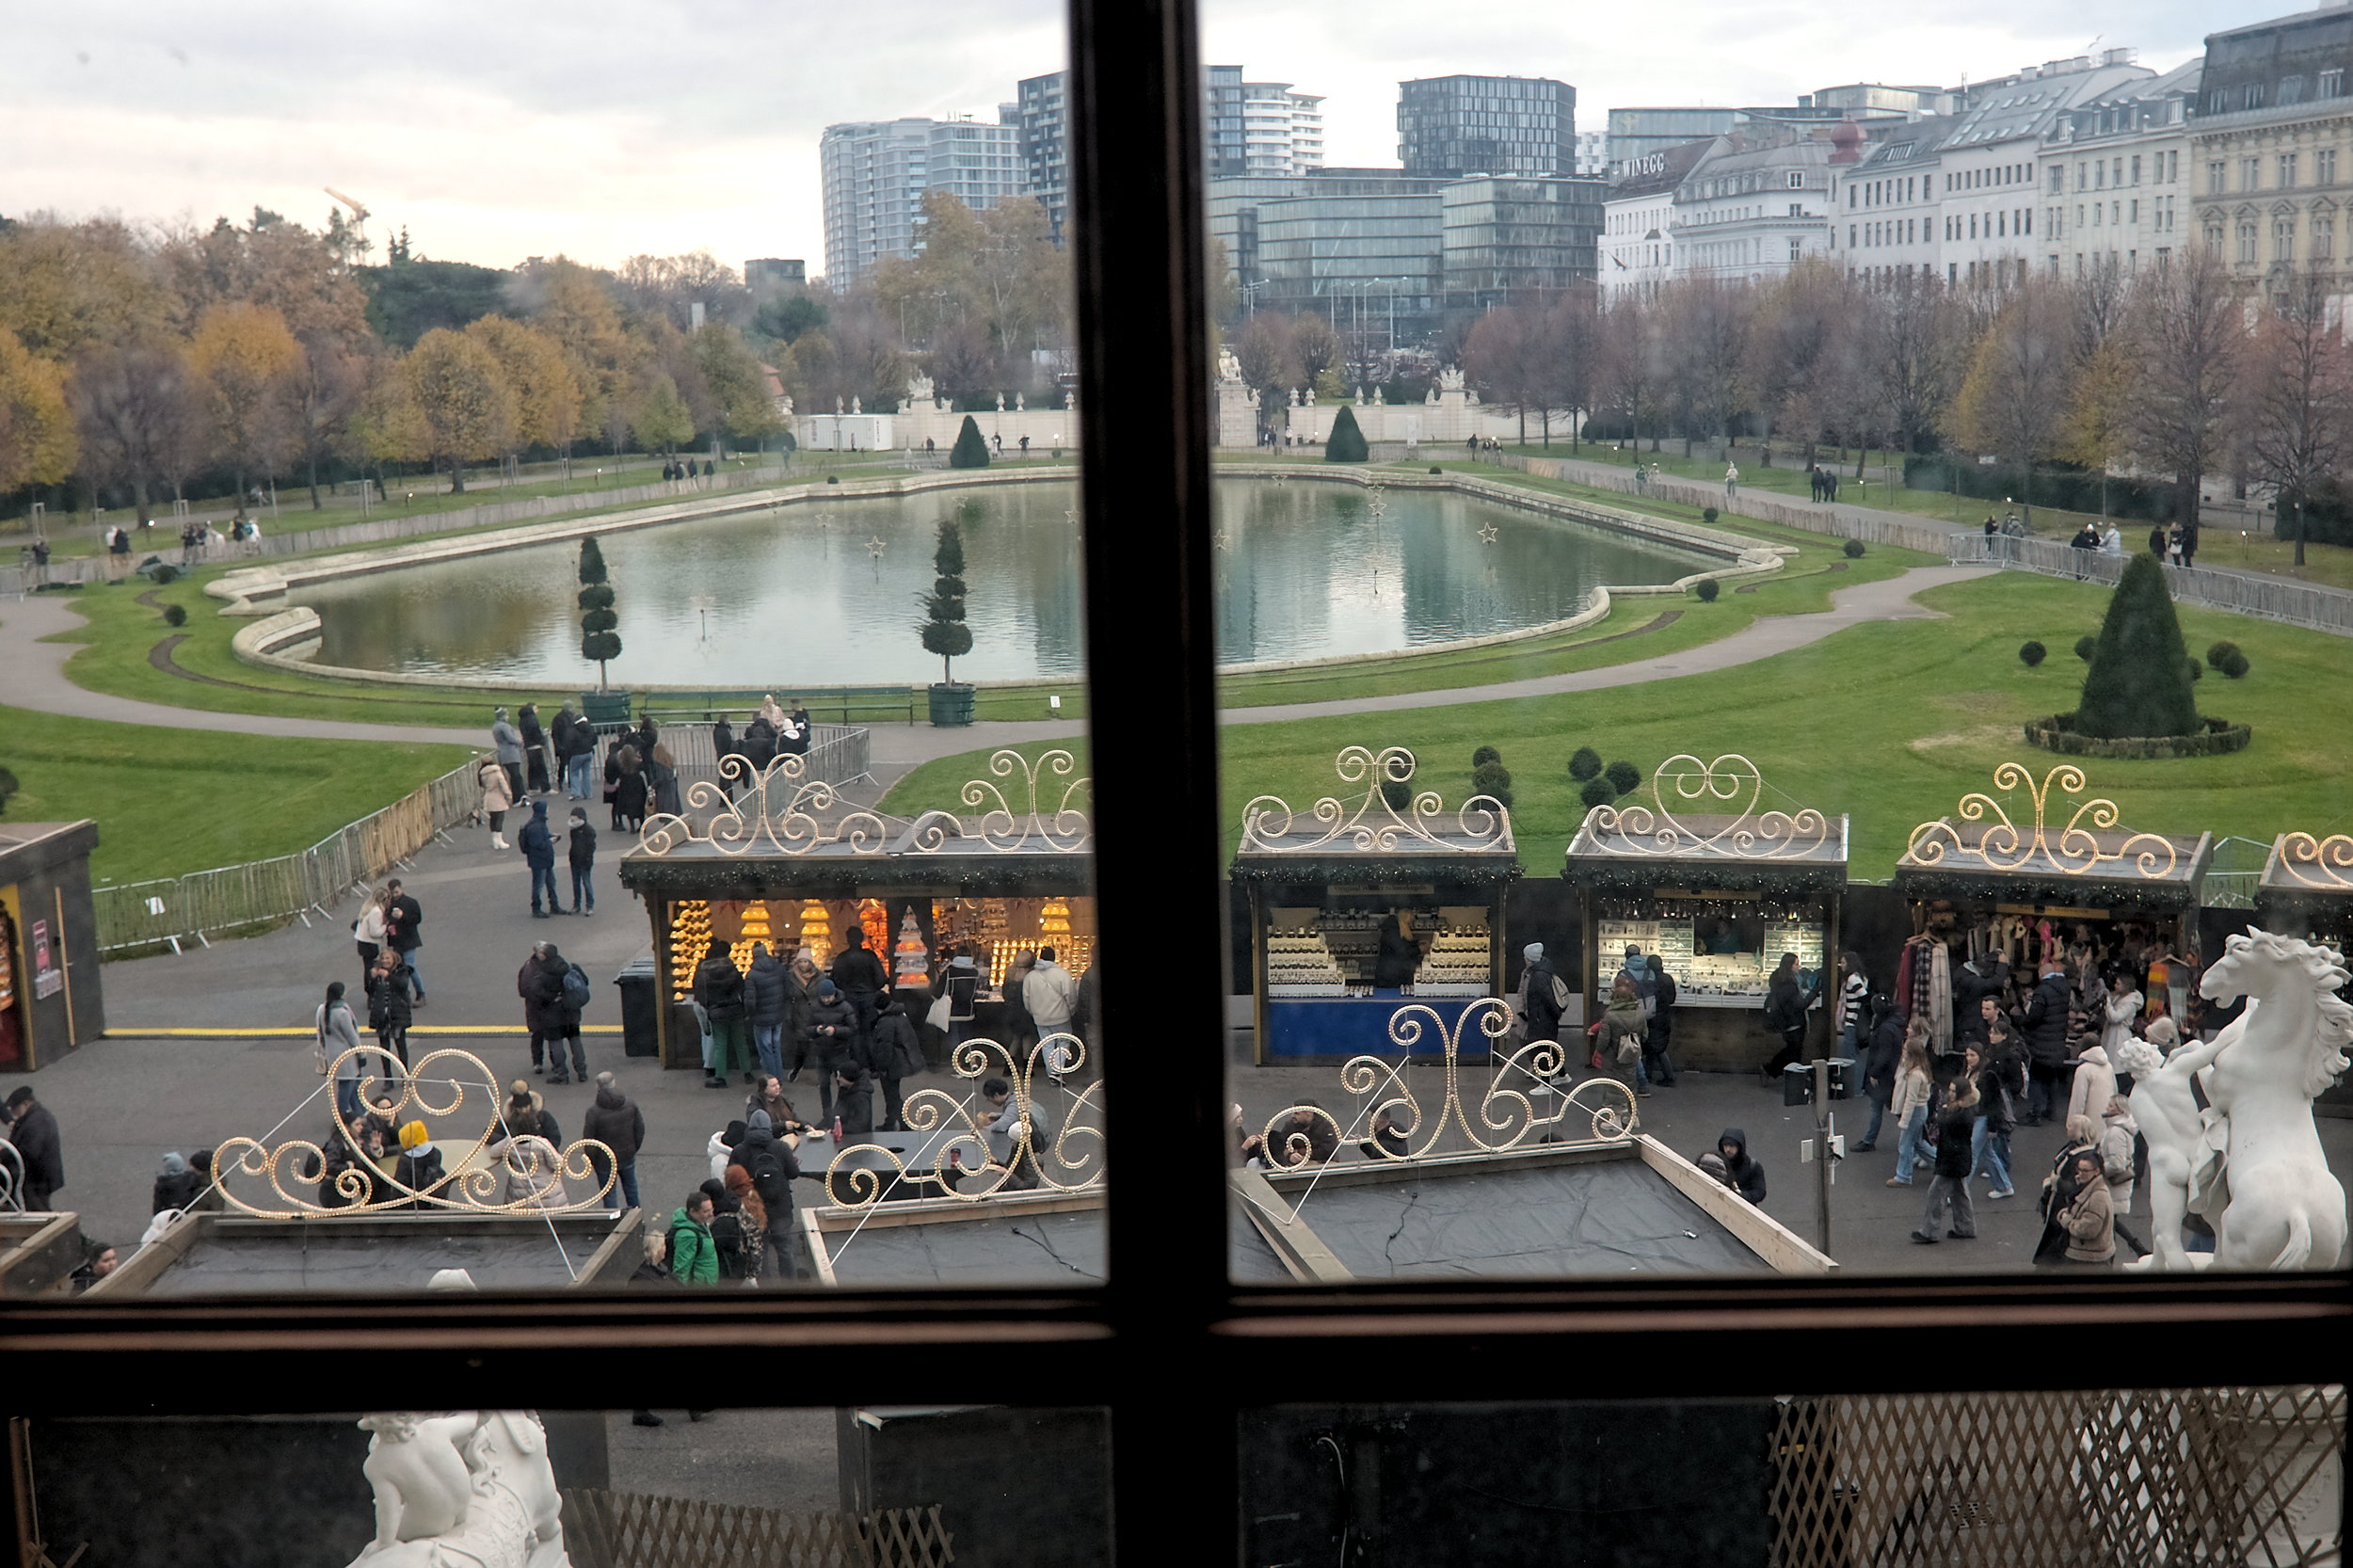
[[952, 705]]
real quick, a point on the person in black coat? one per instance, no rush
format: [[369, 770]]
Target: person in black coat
[[535, 747], [893, 1054], [33, 1128], [833, 1036], [853, 1100], [176, 1186], [388, 1012], [1398, 956], [2046, 1027], [552, 1021], [862, 980], [1785, 1015], [768, 1003], [723, 746], [616, 1122], [1748, 1175], [1882, 1060], [625, 778]]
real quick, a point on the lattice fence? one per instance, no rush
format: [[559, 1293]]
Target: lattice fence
[[2178, 1477], [628, 1529]]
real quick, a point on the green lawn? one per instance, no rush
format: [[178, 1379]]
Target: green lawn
[[1892, 722], [171, 801]]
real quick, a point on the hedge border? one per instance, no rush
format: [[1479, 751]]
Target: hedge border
[[2219, 739]]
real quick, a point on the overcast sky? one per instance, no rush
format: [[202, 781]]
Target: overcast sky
[[601, 130]]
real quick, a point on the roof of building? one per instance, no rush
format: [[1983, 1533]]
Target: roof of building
[[1663, 170]]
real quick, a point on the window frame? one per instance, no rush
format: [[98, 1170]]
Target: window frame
[[1168, 1321]]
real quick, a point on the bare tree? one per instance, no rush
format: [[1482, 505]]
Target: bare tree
[[1918, 353], [2189, 338], [1705, 330], [1574, 378], [140, 418], [2298, 409], [1508, 357], [2015, 399]]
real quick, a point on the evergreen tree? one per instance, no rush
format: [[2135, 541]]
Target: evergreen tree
[[970, 451], [1346, 444], [944, 631], [2138, 683], [598, 638]]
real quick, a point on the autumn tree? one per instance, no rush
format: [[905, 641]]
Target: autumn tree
[[660, 417], [1268, 357], [2188, 343], [246, 365], [464, 408], [671, 286], [326, 392], [2014, 400], [270, 263], [140, 417], [1630, 370], [65, 287], [574, 305], [737, 386], [1791, 351], [996, 268], [38, 444], [541, 379], [2300, 405]]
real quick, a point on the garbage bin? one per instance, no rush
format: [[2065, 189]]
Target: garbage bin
[[1797, 1083], [641, 1020]]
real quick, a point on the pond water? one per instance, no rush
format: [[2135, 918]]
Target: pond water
[[814, 598]]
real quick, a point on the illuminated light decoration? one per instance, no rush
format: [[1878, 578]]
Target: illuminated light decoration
[[2322, 863], [817, 931]]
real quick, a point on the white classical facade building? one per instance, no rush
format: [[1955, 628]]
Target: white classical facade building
[[2116, 179], [1754, 206], [1958, 196], [2271, 147], [1638, 244]]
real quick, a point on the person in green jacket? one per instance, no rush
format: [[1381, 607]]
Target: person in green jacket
[[693, 1257]]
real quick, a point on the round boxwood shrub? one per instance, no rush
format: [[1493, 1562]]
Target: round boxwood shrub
[[175, 615], [1485, 755], [2197, 670], [1623, 777], [2084, 645], [1436, 469], [1493, 779], [1853, 550], [1598, 791], [2234, 666], [1707, 514], [1707, 589], [1399, 793], [2220, 654], [2033, 653], [1585, 764]]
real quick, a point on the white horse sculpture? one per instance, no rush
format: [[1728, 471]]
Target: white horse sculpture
[[2252, 1161]]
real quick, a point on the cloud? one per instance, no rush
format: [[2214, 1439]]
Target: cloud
[[499, 132]]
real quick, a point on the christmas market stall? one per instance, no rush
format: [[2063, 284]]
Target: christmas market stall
[[38, 1251], [436, 1176], [1369, 899], [787, 863], [2042, 868], [1718, 885], [1487, 1165], [50, 997]]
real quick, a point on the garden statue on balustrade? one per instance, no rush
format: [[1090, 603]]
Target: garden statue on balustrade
[[2229, 1121]]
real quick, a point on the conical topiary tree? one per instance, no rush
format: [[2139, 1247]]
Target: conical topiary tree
[[598, 638], [970, 450], [944, 631], [2138, 683], [1346, 444]]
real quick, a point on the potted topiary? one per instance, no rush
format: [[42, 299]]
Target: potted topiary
[[599, 640], [944, 631]]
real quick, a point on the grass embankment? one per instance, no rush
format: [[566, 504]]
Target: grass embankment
[[171, 801], [1891, 722]]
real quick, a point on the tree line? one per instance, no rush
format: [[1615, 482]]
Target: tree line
[[2173, 372], [135, 363]]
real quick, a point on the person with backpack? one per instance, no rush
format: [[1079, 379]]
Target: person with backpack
[[719, 992], [555, 990], [693, 1255], [1544, 998], [765, 1156], [738, 1237], [538, 847], [1660, 1034]]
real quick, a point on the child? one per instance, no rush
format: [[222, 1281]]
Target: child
[[584, 857]]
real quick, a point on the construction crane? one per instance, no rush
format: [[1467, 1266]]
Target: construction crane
[[359, 214]]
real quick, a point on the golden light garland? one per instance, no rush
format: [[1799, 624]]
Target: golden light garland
[[470, 1188], [1073, 1163], [2074, 849], [2325, 863], [1507, 1116], [1370, 822], [1749, 835]]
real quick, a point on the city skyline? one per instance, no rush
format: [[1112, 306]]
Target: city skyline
[[528, 143]]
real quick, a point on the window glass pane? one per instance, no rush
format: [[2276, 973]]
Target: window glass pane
[[2128, 1475], [883, 1484], [658, 487], [1607, 797]]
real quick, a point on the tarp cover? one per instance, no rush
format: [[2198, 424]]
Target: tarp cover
[[318, 1258], [998, 1249]]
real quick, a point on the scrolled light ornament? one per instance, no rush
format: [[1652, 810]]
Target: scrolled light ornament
[[1067, 828], [1370, 823], [1507, 1115], [1071, 1162], [1731, 780], [777, 813], [2072, 847], [473, 1187], [2318, 862]]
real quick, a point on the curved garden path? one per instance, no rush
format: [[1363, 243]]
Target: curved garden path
[[32, 675]]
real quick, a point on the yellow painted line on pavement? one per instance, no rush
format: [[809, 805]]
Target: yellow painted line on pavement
[[136, 1033]]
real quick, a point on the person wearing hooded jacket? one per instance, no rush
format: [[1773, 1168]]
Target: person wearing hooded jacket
[[176, 1185], [554, 1023], [853, 1100], [769, 1005], [498, 798], [832, 1039], [1540, 1004], [507, 747], [719, 991], [538, 847], [893, 1055], [766, 1156], [338, 1040], [1748, 1175], [2094, 1085]]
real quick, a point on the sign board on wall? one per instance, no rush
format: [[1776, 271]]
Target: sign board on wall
[[48, 979]]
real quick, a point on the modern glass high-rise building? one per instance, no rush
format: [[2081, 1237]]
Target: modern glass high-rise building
[[1450, 127], [876, 173]]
